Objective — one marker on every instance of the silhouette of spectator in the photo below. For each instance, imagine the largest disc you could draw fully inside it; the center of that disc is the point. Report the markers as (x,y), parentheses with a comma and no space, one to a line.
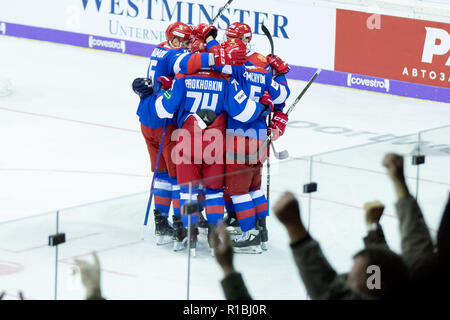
(322,281)
(90,276)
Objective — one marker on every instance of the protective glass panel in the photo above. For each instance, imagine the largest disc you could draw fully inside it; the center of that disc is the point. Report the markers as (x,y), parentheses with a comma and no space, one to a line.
(27,262)
(254,263)
(347,179)
(132,265)
(434,175)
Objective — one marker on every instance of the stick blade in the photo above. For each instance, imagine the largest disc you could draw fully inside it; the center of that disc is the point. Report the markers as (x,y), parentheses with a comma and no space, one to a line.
(283,155)
(280,155)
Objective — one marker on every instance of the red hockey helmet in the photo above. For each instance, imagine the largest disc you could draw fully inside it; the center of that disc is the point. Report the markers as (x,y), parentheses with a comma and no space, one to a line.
(178,29)
(239,30)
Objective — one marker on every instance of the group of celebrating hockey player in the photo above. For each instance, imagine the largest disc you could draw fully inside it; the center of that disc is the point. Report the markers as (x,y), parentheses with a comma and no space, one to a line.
(204,110)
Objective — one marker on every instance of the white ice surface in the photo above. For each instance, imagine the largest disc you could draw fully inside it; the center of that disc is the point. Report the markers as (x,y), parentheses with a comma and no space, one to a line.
(69,136)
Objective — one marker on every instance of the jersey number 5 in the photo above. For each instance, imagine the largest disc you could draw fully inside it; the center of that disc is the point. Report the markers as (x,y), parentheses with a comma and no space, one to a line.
(151,70)
(255,91)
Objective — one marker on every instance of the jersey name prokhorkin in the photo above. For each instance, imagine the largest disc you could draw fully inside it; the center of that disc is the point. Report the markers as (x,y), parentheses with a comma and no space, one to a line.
(200,84)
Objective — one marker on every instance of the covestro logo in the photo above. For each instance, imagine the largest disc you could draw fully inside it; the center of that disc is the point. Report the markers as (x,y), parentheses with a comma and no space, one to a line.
(353,80)
(107,44)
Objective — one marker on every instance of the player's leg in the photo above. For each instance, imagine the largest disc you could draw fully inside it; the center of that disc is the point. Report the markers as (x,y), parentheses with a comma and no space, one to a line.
(238,185)
(179,231)
(163,198)
(201,221)
(250,239)
(213,169)
(168,146)
(260,202)
(162,188)
(213,180)
(261,206)
(181,223)
(188,172)
(175,197)
(162,193)
(230,218)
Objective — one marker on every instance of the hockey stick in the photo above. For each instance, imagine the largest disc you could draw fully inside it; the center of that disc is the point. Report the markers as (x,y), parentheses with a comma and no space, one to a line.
(269,118)
(253,158)
(303,91)
(283,154)
(153,180)
(220,12)
(269,37)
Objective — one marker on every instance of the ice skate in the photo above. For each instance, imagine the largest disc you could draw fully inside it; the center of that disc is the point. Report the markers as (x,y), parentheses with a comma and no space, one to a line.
(261,226)
(202,224)
(163,229)
(179,234)
(232,224)
(248,242)
(193,242)
(211,231)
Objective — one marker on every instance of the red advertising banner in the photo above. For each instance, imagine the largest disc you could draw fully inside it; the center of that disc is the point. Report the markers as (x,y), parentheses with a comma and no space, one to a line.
(392,47)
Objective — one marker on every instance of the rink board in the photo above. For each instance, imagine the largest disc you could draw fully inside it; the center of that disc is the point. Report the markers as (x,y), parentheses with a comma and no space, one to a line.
(336,78)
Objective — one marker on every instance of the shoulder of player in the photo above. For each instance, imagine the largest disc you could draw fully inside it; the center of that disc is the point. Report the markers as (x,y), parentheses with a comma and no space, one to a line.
(257,57)
(208,74)
(160,51)
(169,51)
(254,68)
(164,45)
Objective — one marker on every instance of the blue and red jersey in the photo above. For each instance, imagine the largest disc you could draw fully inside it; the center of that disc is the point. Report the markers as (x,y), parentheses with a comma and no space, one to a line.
(254,81)
(254,78)
(258,60)
(166,61)
(207,90)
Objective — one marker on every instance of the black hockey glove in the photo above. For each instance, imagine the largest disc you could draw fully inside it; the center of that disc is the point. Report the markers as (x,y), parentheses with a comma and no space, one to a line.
(143,87)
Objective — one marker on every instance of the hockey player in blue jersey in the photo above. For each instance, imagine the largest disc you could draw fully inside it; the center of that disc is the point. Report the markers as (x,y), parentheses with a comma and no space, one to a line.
(249,201)
(243,32)
(201,103)
(166,60)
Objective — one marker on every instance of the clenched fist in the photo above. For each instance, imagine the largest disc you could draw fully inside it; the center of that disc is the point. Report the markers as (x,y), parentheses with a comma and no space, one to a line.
(374,211)
(394,164)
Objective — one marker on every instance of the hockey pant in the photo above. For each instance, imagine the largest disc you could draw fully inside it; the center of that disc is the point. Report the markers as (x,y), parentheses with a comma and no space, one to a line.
(165,189)
(243,183)
(200,161)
